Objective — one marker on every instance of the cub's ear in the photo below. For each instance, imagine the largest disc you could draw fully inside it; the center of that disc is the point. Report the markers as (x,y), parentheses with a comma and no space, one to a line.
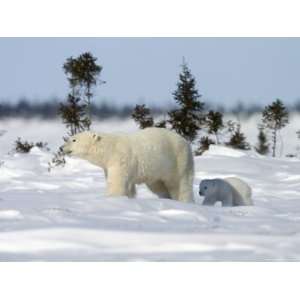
(96,137)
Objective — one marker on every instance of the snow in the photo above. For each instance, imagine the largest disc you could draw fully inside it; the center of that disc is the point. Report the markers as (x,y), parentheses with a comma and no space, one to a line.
(64,215)
(222,150)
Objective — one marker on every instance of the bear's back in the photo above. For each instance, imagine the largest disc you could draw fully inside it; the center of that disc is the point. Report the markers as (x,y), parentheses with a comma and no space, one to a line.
(159,139)
(161,151)
(158,134)
(241,189)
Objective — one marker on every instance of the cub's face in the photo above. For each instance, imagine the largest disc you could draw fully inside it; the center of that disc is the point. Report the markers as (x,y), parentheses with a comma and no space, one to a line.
(207,187)
(80,144)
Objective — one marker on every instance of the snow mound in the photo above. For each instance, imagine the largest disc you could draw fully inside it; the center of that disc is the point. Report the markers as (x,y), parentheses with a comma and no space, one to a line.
(224,151)
(65,214)
(10,214)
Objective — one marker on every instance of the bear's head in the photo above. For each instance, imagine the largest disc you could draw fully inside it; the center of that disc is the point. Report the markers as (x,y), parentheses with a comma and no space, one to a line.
(80,145)
(207,187)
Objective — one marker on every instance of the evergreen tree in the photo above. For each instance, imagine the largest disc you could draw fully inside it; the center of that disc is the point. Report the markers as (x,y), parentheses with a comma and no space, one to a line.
(23,146)
(188,118)
(142,116)
(58,160)
(161,124)
(203,145)
(237,139)
(275,117)
(214,122)
(73,115)
(262,145)
(83,73)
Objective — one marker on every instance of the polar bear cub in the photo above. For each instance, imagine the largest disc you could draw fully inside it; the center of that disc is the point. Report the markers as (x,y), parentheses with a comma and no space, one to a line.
(161,159)
(230,191)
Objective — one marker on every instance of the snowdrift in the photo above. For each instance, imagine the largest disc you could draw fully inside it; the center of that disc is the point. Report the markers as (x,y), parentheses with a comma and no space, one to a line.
(64,215)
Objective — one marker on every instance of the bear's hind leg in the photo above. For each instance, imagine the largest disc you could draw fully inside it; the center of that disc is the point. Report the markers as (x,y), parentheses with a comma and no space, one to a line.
(132,191)
(159,189)
(228,201)
(173,190)
(185,189)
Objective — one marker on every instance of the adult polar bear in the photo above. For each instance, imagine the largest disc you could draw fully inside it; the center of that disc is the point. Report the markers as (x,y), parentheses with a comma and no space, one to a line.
(159,158)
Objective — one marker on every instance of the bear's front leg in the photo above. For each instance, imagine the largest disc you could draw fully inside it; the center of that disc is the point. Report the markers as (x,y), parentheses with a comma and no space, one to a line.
(209,201)
(117,182)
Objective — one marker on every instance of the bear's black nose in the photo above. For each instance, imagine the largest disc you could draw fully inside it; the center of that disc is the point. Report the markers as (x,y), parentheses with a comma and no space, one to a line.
(200,193)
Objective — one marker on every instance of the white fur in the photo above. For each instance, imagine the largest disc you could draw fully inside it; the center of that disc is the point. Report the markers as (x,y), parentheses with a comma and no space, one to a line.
(230,191)
(159,158)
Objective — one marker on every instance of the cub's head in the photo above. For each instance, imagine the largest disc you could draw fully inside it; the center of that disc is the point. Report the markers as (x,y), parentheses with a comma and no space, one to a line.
(207,187)
(80,144)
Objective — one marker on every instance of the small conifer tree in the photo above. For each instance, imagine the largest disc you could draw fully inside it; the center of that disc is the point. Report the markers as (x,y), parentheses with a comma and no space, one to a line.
(275,117)
(142,116)
(262,144)
(73,115)
(188,118)
(23,146)
(203,145)
(237,138)
(161,124)
(214,123)
(58,160)
(83,73)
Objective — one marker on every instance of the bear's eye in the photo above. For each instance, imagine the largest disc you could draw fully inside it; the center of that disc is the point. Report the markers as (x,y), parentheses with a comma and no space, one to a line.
(74,140)
(205,187)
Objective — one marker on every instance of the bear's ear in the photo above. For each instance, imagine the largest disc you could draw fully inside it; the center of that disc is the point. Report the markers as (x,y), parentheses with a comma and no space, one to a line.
(96,137)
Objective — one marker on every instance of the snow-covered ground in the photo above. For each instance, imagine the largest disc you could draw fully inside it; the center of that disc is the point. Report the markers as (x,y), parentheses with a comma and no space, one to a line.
(63,215)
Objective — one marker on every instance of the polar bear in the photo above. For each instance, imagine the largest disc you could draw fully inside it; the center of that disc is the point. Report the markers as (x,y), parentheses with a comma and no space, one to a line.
(230,191)
(159,158)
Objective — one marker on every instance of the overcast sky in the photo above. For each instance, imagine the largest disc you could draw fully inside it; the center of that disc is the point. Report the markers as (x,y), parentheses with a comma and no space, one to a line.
(146,69)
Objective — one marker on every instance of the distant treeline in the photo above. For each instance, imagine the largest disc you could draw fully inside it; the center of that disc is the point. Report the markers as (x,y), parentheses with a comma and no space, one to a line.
(48,109)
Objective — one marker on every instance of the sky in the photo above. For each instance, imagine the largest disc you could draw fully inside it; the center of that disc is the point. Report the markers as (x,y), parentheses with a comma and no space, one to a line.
(145,70)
